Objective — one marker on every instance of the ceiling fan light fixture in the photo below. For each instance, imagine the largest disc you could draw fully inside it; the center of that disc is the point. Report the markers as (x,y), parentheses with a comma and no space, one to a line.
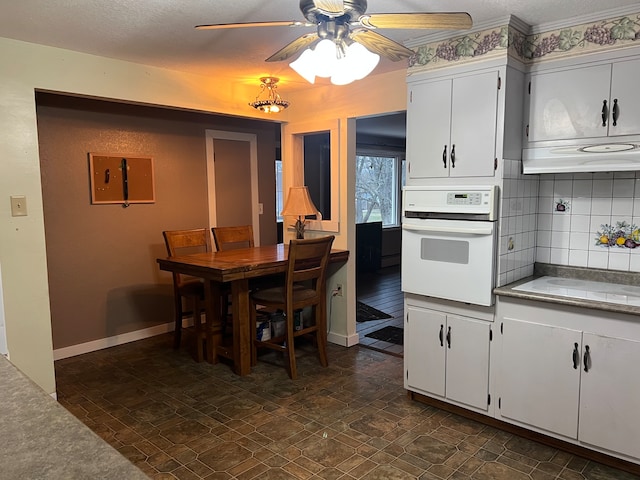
(357,64)
(269,100)
(305,65)
(344,65)
(326,58)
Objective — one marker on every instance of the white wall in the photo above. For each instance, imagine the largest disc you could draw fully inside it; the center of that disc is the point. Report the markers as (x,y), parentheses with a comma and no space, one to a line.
(28,67)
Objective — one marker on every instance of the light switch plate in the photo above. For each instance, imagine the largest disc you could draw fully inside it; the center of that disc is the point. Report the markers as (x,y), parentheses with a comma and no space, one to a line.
(18,206)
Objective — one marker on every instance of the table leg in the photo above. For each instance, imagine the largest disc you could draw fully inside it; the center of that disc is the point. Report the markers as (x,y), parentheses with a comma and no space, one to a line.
(241,330)
(213,326)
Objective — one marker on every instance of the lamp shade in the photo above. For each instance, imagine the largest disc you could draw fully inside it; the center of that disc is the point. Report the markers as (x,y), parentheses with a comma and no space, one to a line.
(299,203)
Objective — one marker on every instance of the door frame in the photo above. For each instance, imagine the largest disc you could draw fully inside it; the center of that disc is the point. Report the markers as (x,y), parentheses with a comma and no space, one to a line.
(251,138)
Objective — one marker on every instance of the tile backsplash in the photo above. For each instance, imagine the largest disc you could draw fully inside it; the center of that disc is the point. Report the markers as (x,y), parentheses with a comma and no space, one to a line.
(518,208)
(589,220)
(581,219)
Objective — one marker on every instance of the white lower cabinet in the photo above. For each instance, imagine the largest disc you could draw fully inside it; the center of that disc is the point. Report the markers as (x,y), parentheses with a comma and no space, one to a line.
(571,373)
(610,395)
(447,356)
(538,382)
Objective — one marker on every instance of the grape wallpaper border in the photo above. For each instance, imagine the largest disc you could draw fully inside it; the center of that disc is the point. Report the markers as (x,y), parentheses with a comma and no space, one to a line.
(589,37)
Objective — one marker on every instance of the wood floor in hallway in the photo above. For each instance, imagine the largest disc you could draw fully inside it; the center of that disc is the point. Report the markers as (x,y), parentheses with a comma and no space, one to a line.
(381,290)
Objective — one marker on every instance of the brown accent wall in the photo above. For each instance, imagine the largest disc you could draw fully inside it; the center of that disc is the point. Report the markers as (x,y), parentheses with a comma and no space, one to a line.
(103,275)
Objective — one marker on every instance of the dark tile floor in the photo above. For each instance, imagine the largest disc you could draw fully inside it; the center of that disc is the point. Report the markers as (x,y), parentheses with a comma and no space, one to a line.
(176,418)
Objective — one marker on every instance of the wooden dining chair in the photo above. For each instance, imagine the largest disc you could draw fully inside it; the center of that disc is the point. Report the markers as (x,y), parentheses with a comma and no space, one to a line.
(304,286)
(188,289)
(228,238)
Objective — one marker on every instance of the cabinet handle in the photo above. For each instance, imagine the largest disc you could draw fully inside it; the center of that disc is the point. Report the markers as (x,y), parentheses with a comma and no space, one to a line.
(449,337)
(453,156)
(576,356)
(444,156)
(616,111)
(587,358)
(605,113)
(441,335)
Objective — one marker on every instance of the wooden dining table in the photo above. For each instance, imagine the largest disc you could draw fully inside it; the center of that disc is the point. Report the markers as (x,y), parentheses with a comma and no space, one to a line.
(236,267)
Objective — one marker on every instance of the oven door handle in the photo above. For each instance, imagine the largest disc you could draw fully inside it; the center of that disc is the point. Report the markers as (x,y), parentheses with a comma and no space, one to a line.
(468,230)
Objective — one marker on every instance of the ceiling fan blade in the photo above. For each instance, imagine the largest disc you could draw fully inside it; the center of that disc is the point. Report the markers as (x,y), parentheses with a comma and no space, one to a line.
(330,7)
(381,45)
(450,21)
(294,47)
(221,26)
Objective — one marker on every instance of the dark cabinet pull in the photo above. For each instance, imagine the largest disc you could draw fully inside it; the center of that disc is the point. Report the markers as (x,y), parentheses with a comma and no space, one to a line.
(453,156)
(605,113)
(441,335)
(576,356)
(616,111)
(587,358)
(444,156)
(449,337)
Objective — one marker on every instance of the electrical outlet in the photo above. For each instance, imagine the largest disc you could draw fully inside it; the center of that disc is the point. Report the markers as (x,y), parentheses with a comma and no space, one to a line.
(339,289)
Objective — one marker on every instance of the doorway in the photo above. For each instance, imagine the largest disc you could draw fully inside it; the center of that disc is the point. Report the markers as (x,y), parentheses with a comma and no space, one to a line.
(380,153)
(232,179)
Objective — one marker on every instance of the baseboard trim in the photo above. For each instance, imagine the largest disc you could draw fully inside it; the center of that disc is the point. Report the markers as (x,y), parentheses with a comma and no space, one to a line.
(531,435)
(121,339)
(343,340)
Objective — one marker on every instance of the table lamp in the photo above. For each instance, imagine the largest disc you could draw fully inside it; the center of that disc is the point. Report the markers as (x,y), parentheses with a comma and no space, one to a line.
(299,204)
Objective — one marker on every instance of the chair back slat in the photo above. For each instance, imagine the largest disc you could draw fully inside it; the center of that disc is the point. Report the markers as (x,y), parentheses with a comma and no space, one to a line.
(230,238)
(308,259)
(184,242)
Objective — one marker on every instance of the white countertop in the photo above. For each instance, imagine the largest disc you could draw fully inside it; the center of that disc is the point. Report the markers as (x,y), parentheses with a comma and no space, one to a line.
(583,290)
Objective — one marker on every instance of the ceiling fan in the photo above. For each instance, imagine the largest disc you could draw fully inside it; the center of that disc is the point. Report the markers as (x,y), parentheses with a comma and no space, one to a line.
(345,22)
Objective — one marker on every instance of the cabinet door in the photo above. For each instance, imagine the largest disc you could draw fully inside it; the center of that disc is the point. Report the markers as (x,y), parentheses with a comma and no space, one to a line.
(568,104)
(467,379)
(624,89)
(428,128)
(610,395)
(539,385)
(474,107)
(424,354)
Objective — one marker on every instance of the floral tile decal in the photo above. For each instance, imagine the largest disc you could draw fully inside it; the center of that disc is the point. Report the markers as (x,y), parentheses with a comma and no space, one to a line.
(622,235)
(586,38)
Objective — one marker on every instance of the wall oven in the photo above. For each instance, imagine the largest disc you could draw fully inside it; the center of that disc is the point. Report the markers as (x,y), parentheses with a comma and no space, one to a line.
(449,242)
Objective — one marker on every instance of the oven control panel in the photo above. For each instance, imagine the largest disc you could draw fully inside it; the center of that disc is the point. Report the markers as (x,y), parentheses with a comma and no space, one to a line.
(433,201)
(465,198)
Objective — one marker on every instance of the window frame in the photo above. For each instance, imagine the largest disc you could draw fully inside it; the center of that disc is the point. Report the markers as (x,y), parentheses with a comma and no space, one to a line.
(399,156)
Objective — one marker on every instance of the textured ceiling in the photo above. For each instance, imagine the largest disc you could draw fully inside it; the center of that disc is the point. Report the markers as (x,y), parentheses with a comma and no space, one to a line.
(161,33)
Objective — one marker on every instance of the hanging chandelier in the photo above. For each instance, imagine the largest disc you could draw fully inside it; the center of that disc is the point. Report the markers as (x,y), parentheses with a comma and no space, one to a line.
(268,100)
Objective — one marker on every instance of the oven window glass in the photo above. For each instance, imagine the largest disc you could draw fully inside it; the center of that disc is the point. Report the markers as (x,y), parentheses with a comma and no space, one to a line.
(444,250)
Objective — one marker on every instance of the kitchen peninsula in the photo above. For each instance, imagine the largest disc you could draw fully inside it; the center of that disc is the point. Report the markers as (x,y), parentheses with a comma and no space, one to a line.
(40,439)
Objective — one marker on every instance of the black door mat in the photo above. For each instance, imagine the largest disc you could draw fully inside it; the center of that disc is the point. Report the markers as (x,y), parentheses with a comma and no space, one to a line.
(365,313)
(389,334)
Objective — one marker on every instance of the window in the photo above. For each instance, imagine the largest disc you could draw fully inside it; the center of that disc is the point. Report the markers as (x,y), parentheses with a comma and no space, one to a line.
(380,177)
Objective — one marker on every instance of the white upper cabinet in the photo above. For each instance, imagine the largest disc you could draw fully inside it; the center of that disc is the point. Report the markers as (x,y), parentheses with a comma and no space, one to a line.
(591,101)
(626,98)
(451,126)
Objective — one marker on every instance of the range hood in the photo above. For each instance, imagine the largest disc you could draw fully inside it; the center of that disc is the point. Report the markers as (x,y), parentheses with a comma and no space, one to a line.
(601,157)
